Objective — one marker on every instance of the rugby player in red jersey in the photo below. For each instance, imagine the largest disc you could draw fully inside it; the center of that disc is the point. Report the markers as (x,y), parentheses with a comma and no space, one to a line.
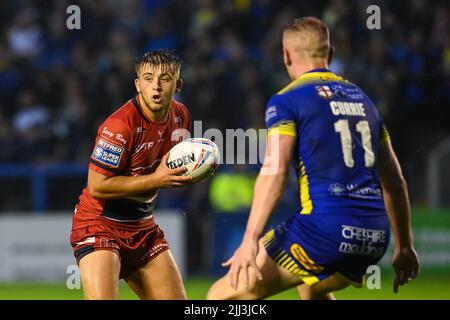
(114,234)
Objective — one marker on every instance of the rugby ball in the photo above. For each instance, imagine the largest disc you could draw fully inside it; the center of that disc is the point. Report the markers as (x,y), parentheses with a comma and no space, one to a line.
(200,156)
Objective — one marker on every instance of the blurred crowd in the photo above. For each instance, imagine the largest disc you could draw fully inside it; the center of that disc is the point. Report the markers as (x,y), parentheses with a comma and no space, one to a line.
(57,85)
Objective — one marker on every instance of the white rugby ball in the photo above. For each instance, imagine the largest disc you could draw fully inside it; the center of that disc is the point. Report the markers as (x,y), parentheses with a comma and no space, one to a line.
(200,156)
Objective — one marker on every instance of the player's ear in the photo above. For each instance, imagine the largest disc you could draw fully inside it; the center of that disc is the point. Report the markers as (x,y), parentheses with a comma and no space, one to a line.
(330,54)
(286,57)
(179,85)
(137,85)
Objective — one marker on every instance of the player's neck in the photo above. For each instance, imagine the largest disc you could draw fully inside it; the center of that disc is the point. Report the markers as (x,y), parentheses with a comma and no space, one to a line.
(159,116)
(299,69)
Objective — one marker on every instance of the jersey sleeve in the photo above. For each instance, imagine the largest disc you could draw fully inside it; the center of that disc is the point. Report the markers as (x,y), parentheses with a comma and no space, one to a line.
(187,123)
(110,154)
(183,120)
(279,118)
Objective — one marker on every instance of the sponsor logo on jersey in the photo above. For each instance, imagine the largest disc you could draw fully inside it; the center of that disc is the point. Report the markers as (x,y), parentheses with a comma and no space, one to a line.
(106,132)
(121,138)
(300,254)
(363,234)
(367,239)
(355,191)
(86,241)
(324,92)
(161,139)
(107,153)
(154,250)
(340,93)
(353,93)
(144,146)
(336,189)
(364,249)
(271,112)
(355,96)
(338,90)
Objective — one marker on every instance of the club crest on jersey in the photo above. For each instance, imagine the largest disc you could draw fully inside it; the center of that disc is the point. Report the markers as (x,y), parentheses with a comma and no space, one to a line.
(107,153)
(324,92)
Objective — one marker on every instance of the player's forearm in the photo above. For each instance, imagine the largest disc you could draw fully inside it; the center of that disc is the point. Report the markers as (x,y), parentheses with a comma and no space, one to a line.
(123,186)
(267,192)
(399,212)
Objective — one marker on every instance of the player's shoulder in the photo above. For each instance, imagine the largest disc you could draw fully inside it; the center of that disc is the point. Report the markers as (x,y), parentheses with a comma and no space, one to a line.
(179,107)
(309,80)
(124,118)
(180,112)
(129,110)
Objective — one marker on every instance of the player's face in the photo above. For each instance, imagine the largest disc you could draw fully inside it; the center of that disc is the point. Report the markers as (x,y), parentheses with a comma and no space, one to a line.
(157,87)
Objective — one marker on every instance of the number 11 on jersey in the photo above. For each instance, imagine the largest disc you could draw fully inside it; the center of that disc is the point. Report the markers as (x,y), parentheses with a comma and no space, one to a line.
(342,127)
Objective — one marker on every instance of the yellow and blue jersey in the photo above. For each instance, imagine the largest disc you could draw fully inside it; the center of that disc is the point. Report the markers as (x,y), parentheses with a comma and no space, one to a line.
(338,130)
(342,226)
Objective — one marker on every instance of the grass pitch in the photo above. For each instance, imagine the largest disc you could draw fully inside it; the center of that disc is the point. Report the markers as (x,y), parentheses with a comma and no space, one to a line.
(427,286)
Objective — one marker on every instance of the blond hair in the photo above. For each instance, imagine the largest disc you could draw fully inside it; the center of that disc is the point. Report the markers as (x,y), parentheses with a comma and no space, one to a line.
(309,37)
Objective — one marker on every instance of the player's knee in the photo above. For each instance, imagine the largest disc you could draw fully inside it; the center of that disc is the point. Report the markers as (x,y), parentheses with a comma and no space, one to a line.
(230,294)
(101,295)
(317,295)
(219,291)
(214,293)
(324,289)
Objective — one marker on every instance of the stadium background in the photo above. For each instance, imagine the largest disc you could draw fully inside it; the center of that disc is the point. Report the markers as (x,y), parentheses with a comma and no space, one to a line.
(57,85)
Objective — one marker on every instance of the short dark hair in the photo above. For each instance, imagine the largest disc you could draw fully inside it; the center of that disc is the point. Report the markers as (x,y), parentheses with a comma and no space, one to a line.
(166,59)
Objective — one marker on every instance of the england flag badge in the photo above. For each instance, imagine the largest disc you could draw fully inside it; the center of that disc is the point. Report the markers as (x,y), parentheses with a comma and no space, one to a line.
(324,92)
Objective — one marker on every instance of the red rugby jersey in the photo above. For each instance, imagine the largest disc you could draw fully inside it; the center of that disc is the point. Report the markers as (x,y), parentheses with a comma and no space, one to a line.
(129,143)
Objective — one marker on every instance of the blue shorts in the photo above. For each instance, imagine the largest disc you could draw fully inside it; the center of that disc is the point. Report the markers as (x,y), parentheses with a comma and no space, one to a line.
(316,246)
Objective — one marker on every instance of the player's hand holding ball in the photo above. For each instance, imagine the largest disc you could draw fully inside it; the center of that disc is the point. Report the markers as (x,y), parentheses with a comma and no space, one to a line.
(199,156)
(170,178)
(189,161)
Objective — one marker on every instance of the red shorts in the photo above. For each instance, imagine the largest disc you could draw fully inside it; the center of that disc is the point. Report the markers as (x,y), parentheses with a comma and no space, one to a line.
(134,248)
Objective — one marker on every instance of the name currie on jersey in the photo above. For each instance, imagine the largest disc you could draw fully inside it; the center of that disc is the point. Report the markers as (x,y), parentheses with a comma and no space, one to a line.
(347,108)
(184,160)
